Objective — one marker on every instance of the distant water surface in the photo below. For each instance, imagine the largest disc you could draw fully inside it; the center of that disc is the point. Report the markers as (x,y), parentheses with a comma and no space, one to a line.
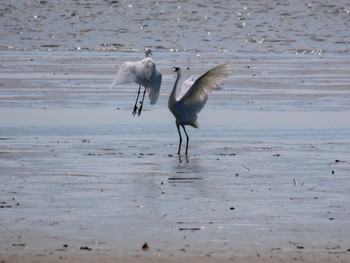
(315,26)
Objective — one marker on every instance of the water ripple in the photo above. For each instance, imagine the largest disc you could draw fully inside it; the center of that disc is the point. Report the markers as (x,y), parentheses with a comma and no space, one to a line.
(235,26)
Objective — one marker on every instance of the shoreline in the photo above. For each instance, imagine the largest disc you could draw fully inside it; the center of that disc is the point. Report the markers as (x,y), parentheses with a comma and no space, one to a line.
(266,179)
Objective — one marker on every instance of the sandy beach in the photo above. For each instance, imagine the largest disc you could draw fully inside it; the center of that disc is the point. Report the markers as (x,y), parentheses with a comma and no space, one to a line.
(266,178)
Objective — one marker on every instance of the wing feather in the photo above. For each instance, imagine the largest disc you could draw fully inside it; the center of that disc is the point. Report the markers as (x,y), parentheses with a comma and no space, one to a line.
(186,85)
(126,74)
(154,86)
(144,73)
(198,94)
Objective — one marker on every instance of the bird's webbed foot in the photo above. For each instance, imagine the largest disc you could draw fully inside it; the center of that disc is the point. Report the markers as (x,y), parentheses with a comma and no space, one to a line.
(140,109)
(135,110)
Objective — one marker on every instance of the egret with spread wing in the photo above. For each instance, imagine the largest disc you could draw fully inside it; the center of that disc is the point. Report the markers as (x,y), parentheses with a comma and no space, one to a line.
(144,73)
(186,106)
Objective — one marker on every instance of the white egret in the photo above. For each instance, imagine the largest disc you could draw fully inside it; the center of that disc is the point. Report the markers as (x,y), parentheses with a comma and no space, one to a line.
(193,96)
(143,72)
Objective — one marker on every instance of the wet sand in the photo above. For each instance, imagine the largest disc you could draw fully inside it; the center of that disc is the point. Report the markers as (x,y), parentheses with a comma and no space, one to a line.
(266,179)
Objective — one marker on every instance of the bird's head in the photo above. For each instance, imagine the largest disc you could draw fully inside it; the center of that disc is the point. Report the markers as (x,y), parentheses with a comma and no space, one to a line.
(176,69)
(148,52)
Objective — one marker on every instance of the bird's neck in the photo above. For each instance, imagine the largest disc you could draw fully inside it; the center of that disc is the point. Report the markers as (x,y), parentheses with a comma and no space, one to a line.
(172,97)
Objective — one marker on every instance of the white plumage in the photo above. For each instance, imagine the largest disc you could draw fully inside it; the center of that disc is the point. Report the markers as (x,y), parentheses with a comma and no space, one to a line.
(143,72)
(193,96)
(186,85)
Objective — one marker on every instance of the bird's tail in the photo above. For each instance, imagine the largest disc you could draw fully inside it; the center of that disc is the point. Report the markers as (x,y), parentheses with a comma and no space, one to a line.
(194,124)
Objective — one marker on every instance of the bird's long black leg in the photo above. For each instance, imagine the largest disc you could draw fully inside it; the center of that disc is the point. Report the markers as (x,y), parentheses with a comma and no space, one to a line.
(137,98)
(141,102)
(178,130)
(188,138)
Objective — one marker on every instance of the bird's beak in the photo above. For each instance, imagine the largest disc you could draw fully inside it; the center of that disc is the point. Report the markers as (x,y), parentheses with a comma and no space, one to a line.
(175,69)
(151,53)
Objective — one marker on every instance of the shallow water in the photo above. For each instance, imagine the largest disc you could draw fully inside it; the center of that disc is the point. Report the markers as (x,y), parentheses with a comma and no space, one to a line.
(315,26)
(267,171)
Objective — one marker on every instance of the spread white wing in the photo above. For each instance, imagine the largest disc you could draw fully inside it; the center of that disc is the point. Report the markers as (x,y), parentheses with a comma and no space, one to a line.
(126,74)
(198,93)
(186,85)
